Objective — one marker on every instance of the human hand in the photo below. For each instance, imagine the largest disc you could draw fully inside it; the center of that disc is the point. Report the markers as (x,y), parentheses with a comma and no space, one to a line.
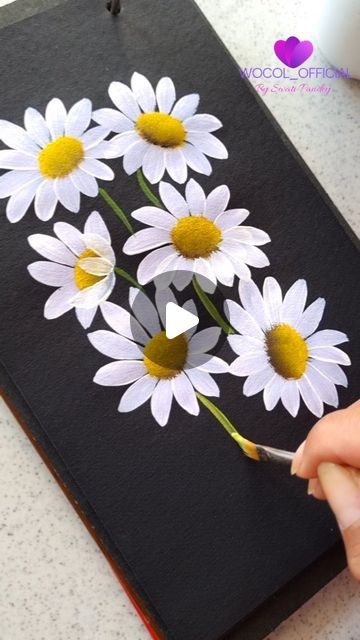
(330,459)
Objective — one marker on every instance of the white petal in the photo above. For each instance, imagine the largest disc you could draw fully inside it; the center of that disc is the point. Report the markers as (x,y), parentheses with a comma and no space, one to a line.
(253,303)
(205,275)
(311,318)
(134,156)
(162,298)
(203,382)
(195,197)
(95,266)
(190,306)
(59,302)
(205,362)
(124,99)
(257,381)
(196,159)
(45,200)
(324,388)
(202,122)
(95,224)
(186,106)
(96,294)
(13,181)
(93,137)
(116,374)
(101,246)
(161,401)
(55,116)
(85,316)
(294,303)
(332,371)
(255,257)
(176,165)
(242,321)
(113,120)
(173,200)
(165,94)
(155,217)
(51,273)
(230,219)
(242,271)
(310,397)
(183,273)
(16,138)
(290,397)
(10,159)
(248,364)
(152,264)
(242,345)
(67,194)
(143,91)
(123,323)
(115,346)
(97,169)
(207,143)
(273,300)
(71,236)
(145,311)
(20,201)
(235,250)
(78,118)
(184,394)
(154,164)
(249,235)
(272,392)
(84,183)
(222,267)
(217,201)
(36,127)
(139,392)
(204,340)
(121,143)
(146,239)
(329,354)
(327,337)
(52,249)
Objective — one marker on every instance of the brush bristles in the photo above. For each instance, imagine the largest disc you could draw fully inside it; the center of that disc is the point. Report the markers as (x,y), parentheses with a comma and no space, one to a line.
(248,448)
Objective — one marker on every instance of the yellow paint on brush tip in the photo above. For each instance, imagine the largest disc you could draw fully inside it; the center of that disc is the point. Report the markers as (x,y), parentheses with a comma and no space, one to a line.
(248,447)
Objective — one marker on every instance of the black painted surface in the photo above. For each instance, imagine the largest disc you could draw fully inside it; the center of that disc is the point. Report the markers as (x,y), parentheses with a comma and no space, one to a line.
(205,535)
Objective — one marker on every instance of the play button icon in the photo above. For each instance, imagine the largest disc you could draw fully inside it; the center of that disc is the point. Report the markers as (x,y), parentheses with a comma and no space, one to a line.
(178,320)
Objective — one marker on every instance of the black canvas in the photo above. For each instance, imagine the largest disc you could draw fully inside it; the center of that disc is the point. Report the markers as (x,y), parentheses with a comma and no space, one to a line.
(210,541)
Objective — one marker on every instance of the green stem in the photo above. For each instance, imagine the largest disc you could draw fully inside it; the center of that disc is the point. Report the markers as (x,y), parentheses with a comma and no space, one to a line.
(246,446)
(116,209)
(146,189)
(211,309)
(124,274)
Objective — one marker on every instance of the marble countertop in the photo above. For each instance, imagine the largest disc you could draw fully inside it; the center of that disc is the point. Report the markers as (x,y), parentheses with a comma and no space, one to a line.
(54,581)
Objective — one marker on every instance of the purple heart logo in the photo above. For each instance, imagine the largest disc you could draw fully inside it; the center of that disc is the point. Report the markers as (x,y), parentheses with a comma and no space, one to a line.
(292,52)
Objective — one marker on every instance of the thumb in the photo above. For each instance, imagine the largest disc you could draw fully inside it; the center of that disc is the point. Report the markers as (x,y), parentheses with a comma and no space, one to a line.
(341,486)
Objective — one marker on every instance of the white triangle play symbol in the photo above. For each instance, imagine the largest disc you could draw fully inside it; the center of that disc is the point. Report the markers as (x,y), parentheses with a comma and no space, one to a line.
(178,320)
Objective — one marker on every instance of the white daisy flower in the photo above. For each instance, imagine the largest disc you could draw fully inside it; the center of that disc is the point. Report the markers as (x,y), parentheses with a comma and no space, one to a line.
(158,133)
(280,350)
(53,159)
(79,265)
(154,366)
(196,235)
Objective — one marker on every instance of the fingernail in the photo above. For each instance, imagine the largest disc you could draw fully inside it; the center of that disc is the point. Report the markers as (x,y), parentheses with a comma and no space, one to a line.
(297,459)
(311,487)
(342,492)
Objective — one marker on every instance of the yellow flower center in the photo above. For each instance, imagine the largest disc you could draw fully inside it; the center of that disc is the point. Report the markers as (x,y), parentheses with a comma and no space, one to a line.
(287,351)
(161,129)
(83,279)
(60,157)
(165,358)
(195,237)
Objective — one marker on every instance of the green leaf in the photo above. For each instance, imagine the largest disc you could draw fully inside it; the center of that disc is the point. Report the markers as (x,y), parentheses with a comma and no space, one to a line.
(116,209)
(124,274)
(211,309)
(146,190)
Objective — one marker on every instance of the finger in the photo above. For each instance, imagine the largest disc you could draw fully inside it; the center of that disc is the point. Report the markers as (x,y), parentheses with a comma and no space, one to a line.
(341,486)
(335,438)
(315,489)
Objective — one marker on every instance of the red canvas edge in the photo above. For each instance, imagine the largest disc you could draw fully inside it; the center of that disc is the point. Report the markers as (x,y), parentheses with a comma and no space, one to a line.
(155,632)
